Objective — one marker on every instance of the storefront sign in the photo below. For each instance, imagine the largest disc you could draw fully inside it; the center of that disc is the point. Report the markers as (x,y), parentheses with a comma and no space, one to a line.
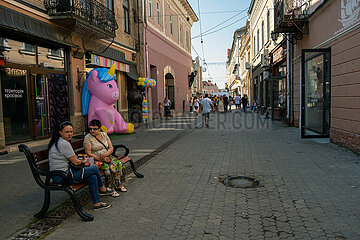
(13,93)
(106,62)
(13,72)
(278,55)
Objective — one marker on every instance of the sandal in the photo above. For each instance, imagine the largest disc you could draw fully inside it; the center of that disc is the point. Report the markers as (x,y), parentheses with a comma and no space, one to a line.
(115,194)
(121,189)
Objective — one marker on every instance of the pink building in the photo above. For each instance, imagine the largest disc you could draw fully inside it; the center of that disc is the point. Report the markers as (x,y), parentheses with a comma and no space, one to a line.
(209,87)
(168,52)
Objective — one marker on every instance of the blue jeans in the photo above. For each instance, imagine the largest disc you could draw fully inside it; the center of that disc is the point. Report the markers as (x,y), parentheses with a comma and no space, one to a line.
(91,176)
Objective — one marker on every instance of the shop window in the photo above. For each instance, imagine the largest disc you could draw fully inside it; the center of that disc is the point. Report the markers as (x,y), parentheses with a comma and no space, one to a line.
(14,91)
(126,16)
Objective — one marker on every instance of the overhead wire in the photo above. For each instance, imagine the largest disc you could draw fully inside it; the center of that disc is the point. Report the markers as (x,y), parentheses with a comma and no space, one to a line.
(221,23)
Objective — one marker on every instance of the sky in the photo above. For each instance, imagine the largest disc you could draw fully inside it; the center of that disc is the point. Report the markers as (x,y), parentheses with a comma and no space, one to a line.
(217,22)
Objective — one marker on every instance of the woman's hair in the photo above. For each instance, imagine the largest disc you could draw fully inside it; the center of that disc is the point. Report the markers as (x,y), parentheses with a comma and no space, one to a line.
(95,122)
(56,135)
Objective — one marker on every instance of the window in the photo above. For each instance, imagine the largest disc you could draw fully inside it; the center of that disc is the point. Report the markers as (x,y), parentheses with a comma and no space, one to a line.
(126,16)
(254,46)
(150,8)
(109,4)
(187,40)
(181,35)
(262,34)
(268,26)
(55,53)
(158,13)
(28,47)
(171,24)
(258,41)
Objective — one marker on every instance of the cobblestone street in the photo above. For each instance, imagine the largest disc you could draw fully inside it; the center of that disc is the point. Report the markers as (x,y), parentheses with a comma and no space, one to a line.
(309,189)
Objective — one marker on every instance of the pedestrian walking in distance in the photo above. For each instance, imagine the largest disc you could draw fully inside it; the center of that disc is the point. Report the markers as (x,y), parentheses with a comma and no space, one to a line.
(206,106)
(167,104)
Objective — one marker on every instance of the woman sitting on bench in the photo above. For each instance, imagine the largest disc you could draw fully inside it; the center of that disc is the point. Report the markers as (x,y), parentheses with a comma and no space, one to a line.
(61,152)
(98,145)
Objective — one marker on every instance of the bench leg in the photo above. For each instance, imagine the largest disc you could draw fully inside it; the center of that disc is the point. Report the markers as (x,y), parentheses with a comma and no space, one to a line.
(85,216)
(139,175)
(45,206)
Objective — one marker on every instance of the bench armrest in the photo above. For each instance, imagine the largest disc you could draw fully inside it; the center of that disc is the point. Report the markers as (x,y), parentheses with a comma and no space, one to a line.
(63,175)
(120,146)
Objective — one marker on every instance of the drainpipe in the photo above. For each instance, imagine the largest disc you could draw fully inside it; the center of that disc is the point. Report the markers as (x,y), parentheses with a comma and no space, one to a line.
(288,86)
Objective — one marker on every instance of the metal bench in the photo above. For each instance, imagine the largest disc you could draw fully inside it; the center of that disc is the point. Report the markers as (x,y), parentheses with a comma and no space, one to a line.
(39,165)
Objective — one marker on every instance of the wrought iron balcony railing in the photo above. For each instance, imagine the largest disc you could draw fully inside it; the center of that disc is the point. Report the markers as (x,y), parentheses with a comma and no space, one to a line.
(291,15)
(89,11)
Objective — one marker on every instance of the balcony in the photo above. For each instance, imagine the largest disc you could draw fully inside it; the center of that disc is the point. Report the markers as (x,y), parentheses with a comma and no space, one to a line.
(291,16)
(86,17)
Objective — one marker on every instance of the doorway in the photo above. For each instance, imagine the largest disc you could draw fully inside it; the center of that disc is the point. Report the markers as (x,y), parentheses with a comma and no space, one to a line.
(170,89)
(315,97)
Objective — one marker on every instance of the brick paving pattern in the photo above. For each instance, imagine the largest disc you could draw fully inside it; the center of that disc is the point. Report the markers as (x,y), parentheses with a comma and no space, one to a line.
(308,189)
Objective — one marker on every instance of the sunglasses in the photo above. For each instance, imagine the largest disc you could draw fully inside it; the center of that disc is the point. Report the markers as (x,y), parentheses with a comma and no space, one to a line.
(93,129)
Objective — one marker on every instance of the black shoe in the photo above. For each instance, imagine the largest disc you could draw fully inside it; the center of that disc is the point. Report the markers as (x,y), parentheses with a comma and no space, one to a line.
(102,206)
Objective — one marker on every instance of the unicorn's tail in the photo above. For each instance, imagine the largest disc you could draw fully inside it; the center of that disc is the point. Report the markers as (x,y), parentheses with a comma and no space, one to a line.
(85,98)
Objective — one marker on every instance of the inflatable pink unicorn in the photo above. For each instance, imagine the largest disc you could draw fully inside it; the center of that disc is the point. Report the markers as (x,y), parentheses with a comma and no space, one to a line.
(98,95)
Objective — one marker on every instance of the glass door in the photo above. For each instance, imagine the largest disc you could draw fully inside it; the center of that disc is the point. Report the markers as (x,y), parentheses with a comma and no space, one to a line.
(40,105)
(14,92)
(315,109)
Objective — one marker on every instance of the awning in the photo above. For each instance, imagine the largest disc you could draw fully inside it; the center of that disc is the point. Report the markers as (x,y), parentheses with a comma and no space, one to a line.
(109,57)
(133,74)
(111,54)
(17,26)
(107,62)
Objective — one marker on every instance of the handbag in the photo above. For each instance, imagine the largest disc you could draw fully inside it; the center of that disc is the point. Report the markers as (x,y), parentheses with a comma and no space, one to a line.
(72,167)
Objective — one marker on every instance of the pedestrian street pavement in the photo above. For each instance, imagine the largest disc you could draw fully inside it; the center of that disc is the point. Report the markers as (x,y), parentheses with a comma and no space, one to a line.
(307,189)
(21,197)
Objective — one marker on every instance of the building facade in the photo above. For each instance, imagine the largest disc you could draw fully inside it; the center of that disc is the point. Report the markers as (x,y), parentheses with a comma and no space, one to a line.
(326,75)
(210,88)
(46,50)
(260,17)
(168,52)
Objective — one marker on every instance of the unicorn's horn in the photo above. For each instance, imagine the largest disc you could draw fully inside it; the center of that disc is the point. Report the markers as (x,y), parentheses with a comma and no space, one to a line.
(111,71)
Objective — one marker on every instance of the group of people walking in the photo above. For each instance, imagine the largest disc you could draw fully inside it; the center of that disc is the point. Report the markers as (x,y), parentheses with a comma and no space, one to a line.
(221,103)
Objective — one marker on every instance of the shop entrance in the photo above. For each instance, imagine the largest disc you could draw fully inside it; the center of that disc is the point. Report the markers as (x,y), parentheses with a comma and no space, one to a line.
(170,89)
(29,98)
(14,91)
(39,102)
(315,99)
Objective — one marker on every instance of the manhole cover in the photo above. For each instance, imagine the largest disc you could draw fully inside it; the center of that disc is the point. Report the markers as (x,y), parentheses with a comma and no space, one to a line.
(241,182)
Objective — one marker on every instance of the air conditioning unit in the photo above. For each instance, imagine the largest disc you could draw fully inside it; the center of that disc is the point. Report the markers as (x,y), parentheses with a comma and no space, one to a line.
(247,65)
